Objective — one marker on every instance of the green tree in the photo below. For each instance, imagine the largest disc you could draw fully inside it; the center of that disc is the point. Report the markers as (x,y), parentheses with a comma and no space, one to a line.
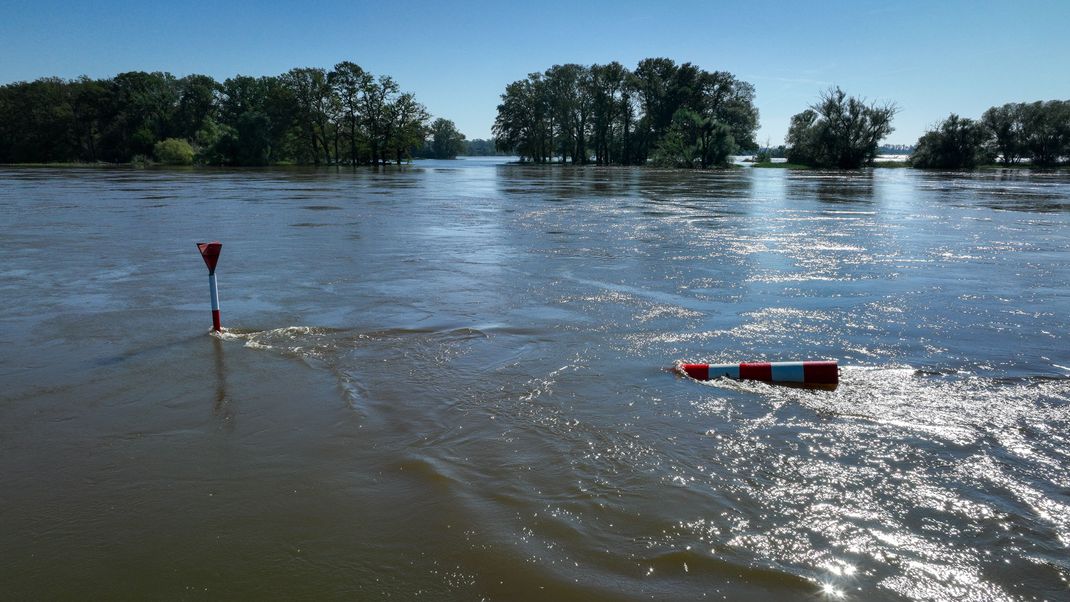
(407,127)
(694,141)
(377,95)
(349,81)
(570,111)
(89,105)
(215,144)
(479,147)
(727,100)
(254,139)
(1046,131)
(956,143)
(802,138)
(258,124)
(678,147)
(173,151)
(312,97)
(652,85)
(608,93)
(37,122)
(570,102)
(525,124)
(839,131)
(1005,129)
(140,113)
(446,141)
(197,102)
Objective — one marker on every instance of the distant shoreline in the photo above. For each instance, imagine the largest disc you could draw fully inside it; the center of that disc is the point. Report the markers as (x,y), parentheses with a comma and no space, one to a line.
(286,166)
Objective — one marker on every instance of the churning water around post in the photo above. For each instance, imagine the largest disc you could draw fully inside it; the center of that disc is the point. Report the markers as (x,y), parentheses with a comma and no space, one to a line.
(449,381)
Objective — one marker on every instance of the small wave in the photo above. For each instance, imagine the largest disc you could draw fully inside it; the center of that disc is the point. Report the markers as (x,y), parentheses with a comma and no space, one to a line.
(424,470)
(344,352)
(693,562)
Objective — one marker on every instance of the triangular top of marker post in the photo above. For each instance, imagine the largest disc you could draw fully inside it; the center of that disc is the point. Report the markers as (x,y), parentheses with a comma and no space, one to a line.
(210,253)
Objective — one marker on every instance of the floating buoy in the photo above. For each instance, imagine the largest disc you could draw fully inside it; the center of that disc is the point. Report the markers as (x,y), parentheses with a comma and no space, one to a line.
(809,373)
(210,254)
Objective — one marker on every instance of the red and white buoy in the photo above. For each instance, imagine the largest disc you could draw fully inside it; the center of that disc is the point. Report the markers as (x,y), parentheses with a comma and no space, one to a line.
(809,373)
(210,254)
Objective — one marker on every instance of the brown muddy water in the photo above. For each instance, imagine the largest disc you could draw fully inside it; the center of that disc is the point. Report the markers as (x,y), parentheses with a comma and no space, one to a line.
(449,381)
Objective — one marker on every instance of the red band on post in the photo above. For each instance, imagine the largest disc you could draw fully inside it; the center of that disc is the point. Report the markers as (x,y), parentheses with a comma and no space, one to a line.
(697,371)
(822,373)
(756,371)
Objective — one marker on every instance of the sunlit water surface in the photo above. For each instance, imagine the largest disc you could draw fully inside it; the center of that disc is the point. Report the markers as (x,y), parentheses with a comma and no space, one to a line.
(450,381)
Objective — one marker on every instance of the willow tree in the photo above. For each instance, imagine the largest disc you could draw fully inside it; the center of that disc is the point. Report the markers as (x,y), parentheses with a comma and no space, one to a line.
(839,131)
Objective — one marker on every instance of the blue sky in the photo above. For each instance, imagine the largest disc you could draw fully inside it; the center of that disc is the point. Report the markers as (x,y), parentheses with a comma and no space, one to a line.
(930,58)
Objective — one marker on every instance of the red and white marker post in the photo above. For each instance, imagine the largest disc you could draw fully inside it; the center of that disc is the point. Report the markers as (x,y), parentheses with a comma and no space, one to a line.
(803,373)
(210,254)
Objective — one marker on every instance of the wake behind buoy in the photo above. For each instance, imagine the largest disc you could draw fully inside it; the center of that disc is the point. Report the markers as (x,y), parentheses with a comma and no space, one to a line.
(809,373)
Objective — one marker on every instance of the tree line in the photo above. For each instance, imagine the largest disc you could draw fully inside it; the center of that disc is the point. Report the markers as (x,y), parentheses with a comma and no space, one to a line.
(661,112)
(844,132)
(679,115)
(479,147)
(1036,131)
(342,116)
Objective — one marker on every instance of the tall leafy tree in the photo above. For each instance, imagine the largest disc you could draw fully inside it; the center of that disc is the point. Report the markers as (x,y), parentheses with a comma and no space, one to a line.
(446,141)
(89,107)
(349,81)
(198,100)
(723,98)
(1046,131)
(525,121)
(839,131)
(570,100)
(37,121)
(694,141)
(257,123)
(140,113)
(802,140)
(408,126)
(311,94)
(954,144)
(652,82)
(377,95)
(620,116)
(1005,126)
(607,91)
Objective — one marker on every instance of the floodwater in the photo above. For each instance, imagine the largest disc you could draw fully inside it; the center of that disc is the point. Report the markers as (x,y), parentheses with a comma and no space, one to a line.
(450,381)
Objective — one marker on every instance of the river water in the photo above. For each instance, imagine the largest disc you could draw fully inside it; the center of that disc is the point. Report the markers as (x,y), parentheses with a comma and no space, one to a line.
(451,381)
